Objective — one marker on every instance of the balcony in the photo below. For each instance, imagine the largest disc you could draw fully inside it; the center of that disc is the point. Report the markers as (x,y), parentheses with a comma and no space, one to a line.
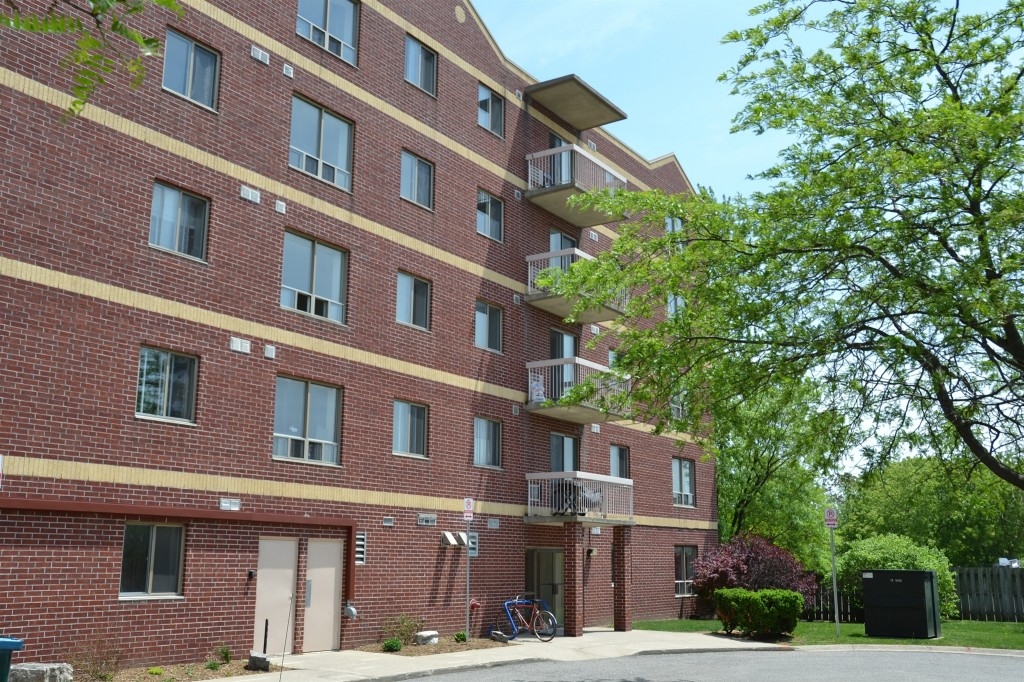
(562,172)
(562,306)
(575,102)
(578,496)
(550,380)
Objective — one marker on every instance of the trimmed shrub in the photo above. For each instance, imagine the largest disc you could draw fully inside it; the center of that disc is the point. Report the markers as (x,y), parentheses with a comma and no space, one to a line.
(766,613)
(896,552)
(750,562)
(391,645)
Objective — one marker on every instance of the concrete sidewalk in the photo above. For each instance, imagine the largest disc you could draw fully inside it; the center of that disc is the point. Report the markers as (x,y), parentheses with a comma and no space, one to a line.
(345,666)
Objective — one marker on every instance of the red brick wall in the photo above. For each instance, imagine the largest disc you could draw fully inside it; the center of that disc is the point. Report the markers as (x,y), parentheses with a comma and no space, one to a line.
(76,199)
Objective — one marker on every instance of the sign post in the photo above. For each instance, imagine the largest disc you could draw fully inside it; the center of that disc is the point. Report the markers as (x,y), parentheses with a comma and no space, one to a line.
(831,521)
(467,514)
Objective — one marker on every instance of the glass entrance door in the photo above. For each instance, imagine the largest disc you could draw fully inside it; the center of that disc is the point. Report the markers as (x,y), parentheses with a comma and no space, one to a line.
(545,578)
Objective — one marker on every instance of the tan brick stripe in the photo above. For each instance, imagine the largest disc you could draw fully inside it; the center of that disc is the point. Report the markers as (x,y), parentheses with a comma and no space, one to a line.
(63,470)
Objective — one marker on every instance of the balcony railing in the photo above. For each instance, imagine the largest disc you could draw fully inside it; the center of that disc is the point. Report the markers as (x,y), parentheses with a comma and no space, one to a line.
(560,172)
(579,494)
(562,306)
(550,380)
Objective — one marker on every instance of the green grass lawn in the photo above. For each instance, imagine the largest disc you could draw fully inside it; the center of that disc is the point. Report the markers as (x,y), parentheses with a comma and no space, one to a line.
(965,633)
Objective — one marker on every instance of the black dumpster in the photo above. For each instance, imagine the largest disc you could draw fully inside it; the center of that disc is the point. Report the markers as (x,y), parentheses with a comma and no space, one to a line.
(901,604)
(7,645)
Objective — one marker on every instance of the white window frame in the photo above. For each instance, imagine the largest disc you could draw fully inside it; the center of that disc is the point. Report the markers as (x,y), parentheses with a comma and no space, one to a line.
(420,66)
(487,442)
(405,311)
(413,167)
(484,326)
(312,162)
(684,486)
(402,436)
(324,30)
(490,216)
(619,460)
(309,298)
(170,225)
(177,380)
(298,444)
(490,111)
(193,51)
(153,554)
(684,578)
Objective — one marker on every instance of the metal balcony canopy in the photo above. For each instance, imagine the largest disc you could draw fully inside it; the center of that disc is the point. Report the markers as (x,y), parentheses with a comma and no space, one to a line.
(575,102)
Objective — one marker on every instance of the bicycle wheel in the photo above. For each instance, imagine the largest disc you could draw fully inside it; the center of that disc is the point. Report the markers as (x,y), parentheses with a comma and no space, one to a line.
(544,625)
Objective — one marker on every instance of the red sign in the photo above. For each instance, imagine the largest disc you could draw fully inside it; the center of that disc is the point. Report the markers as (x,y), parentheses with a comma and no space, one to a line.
(831,518)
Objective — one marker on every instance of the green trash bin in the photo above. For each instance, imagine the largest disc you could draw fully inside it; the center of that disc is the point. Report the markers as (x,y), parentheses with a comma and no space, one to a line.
(7,645)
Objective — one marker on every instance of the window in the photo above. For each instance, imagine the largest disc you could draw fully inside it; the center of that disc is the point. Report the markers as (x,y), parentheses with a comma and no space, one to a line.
(620,461)
(686,556)
(306,421)
(190,70)
(682,482)
(413,301)
(321,144)
(676,406)
(491,110)
(313,278)
(409,436)
(417,180)
(488,326)
(167,385)
(177,221)
(489,215)
(151,559)
(331,24)
(420,65)
(674,230)
(486,442)
(676,304)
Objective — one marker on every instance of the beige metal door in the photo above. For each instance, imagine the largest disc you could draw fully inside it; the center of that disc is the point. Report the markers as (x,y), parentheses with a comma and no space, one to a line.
(275,589)
(323,596)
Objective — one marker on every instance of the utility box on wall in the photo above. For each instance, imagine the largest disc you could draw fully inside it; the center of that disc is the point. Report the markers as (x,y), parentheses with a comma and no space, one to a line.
(901,604)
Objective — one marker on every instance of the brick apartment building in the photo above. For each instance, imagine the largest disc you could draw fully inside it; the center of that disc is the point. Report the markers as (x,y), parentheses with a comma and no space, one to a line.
(267,320)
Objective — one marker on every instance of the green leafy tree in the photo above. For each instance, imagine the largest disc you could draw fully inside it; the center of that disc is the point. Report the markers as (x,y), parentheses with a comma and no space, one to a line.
(963,510)
(106,37)
(885,262)
(771,452)
(895,552)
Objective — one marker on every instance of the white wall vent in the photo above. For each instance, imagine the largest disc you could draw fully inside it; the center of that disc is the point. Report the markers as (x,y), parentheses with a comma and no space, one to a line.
(426,520)
(269,352)
(594,236)
(517,299)
(518,194)
(493,524)
(592,145)
(288,71)
(280,207)
(515,410)
(250,194)
(361,548)
(230,504)
(595,428)
(241,345)
(595,330)
(387,521)
(260,55)
(519,94)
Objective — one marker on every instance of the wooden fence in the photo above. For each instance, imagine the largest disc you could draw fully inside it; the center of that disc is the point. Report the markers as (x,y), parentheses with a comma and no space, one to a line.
(995,593)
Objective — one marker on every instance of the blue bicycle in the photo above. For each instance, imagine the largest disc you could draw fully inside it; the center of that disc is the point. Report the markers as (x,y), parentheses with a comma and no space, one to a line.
(532,615)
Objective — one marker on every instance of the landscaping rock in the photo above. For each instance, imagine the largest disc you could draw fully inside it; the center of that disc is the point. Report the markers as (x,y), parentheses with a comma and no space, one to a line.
(426,637)
(41,672)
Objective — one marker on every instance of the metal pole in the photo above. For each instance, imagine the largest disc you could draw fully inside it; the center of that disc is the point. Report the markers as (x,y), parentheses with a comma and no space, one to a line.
(835,589)
(468,522)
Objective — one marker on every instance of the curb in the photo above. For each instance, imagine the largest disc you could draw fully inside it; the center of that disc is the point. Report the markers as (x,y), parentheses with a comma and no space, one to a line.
(456,669)
(910,648)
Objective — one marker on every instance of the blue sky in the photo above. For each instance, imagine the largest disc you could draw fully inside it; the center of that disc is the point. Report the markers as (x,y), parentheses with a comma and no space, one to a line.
(657,60)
